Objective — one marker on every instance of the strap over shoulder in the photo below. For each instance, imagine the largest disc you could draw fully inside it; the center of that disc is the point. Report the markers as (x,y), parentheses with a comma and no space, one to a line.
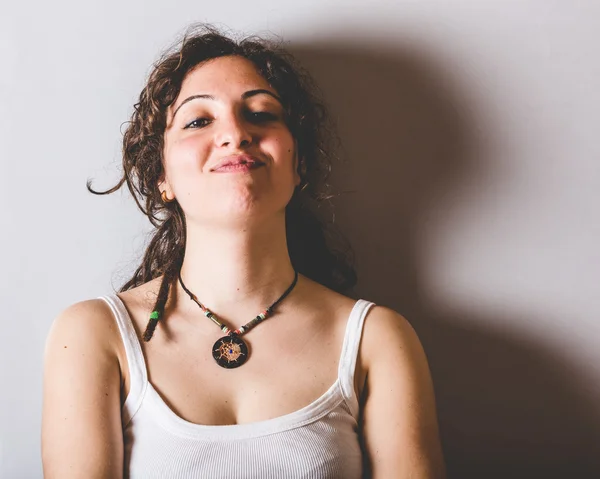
(138,375)
(349,356)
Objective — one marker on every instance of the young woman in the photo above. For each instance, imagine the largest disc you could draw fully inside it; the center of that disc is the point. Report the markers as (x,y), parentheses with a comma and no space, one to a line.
(232,352)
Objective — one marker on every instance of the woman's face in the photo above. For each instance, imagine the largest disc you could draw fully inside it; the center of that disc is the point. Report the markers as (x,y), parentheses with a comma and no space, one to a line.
(227,112)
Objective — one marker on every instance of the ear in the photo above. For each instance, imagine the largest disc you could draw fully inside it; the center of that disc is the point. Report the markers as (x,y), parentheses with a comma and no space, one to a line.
(163,185)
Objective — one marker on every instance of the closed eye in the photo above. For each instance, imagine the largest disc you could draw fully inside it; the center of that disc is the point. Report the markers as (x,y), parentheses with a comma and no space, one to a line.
(261,116)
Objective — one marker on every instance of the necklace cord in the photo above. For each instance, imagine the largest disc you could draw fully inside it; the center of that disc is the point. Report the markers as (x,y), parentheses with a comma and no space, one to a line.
(250,324)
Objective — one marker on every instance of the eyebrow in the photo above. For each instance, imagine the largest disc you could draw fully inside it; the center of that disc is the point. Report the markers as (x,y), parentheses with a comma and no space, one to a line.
(245,95)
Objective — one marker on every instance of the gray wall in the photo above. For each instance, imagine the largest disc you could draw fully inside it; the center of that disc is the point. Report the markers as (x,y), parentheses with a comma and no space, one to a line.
(472,196)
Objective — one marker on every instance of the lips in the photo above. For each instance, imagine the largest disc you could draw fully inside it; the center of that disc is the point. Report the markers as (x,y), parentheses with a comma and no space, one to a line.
(238,161)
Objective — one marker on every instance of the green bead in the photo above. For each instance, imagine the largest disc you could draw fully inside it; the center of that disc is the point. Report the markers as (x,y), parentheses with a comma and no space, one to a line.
(154,315)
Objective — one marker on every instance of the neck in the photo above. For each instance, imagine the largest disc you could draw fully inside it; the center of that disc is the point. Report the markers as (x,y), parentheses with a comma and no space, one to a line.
(236,272)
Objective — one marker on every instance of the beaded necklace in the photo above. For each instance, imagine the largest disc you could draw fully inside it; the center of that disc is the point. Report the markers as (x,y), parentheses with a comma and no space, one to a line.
(231,351)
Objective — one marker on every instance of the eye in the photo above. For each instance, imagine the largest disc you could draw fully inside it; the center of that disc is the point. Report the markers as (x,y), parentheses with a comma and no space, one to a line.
(262,116)
(197,123)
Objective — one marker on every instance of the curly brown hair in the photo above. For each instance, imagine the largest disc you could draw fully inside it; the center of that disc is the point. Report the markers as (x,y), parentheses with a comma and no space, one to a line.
(317,250)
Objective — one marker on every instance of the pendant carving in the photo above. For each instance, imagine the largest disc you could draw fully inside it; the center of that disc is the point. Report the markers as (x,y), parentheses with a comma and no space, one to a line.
(230,351)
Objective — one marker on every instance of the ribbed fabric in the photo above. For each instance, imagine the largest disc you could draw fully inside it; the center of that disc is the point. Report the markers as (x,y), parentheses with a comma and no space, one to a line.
(319,441)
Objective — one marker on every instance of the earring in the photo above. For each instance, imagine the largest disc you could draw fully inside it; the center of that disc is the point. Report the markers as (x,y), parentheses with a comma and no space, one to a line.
(164,198)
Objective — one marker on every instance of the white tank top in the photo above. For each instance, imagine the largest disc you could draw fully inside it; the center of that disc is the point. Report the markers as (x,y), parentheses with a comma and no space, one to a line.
(319,441)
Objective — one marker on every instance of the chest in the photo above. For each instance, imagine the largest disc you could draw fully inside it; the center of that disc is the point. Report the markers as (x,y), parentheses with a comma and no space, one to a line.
(289,367)
(325,448)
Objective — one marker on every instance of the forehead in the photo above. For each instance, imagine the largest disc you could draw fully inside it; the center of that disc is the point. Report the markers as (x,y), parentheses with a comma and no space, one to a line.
(224,76)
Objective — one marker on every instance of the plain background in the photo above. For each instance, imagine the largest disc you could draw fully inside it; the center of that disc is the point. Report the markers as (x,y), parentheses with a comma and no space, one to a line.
(470,196)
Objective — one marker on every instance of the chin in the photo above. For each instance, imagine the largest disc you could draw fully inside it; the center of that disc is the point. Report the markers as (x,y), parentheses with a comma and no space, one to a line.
(245,210)
(241,205)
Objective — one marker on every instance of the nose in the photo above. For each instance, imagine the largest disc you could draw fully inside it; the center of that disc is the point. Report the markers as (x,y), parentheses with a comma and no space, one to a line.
(234,131)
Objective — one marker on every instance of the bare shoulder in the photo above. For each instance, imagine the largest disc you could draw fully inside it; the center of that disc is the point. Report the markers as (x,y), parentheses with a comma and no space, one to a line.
(388,334)
(84,324)
(384,320)
(84,339)
(385,332)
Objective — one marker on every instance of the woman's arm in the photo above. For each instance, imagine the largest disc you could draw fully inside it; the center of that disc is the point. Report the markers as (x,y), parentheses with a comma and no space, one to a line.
(81,419)
(400,428)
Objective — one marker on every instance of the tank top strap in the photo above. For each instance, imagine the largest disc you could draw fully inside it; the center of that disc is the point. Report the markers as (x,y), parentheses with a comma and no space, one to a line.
(349,355)
(138,376)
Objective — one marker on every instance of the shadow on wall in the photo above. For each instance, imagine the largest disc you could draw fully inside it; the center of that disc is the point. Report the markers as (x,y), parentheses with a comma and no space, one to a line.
(508,406)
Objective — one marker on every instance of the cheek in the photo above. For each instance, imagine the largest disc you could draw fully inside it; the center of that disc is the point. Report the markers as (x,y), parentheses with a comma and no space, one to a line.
(184,159)
(193,147)
(282,147)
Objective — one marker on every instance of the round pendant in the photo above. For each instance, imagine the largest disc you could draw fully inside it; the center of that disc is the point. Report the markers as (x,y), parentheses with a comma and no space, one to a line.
(230,351)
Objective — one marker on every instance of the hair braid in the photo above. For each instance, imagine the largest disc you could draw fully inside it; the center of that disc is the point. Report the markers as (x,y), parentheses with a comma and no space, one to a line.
(167,281)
